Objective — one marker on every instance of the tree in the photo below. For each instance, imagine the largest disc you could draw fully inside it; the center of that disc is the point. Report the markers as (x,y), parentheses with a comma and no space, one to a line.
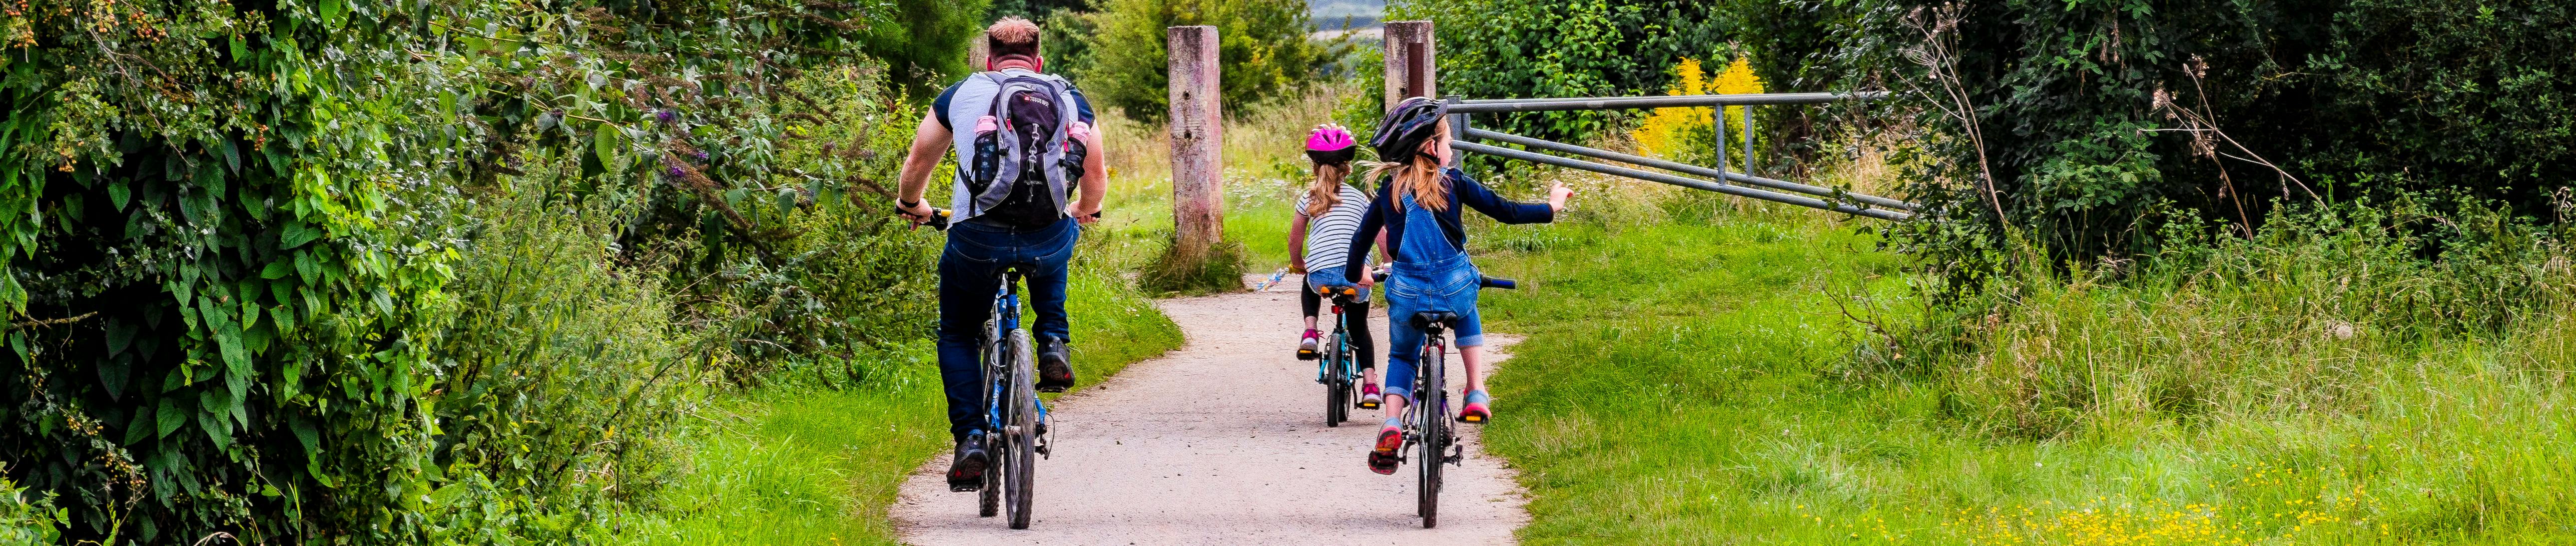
(1263,49)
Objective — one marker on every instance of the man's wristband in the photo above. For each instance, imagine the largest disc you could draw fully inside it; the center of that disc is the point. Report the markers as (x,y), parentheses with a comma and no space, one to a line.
(907,205)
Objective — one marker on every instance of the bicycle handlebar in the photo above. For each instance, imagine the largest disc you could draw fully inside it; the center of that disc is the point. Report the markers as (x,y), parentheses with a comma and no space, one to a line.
(939,218)
(1489,281)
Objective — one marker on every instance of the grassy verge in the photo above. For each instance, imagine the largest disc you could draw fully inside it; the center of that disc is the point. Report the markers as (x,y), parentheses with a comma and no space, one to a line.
(801,464)
(1699,383)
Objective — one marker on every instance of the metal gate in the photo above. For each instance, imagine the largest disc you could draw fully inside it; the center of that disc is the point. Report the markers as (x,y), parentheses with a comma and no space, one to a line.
(1718,179)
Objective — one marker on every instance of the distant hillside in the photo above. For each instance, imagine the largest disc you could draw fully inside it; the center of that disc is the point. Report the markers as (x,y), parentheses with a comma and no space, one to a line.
(1331,14)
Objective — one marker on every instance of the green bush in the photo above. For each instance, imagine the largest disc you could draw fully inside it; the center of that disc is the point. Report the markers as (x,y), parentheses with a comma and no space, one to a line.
(247,284)
(25,522)
(1262,46)
(2097,118)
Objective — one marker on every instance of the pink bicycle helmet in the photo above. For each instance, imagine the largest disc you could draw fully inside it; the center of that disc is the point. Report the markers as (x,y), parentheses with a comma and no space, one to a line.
(1330,144)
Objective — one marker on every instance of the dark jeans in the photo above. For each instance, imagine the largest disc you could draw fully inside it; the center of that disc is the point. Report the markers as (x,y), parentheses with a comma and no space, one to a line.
(969,275)
(1357,309)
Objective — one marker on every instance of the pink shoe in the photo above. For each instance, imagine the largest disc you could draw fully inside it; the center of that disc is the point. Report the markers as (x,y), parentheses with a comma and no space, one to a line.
(1369,398)
(1306,346)
(1475,411)
(1382,459)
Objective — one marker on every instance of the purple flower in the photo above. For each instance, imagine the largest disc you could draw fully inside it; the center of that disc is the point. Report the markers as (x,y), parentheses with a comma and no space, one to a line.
(666,115)
(702,155)
(675,171)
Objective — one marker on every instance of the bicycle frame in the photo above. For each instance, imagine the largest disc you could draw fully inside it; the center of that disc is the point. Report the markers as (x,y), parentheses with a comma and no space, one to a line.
(1004,319)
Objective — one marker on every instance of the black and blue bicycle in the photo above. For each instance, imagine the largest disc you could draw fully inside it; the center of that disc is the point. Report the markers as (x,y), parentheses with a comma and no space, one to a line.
(1336,366)
(1015,421)
(1427,433)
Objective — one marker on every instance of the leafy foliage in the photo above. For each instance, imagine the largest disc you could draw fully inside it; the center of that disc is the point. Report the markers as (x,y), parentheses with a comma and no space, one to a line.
(2098,121)
(1575,48)
(255,294)
(1262,46)
(24,521)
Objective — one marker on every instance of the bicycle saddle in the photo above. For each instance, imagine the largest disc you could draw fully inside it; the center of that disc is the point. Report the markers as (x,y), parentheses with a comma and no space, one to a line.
(1427,318)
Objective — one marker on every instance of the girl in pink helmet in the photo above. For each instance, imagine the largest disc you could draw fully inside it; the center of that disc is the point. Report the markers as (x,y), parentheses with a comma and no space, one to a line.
(1319,243)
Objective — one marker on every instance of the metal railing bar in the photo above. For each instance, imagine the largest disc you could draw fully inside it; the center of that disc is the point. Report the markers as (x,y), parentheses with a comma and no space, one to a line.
(1693,183)
(1613,103)
(1686,168)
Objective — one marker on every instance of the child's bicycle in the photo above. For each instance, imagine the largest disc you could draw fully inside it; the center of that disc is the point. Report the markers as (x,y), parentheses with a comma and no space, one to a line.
(1337,370)
(1427,433)
(1015,420)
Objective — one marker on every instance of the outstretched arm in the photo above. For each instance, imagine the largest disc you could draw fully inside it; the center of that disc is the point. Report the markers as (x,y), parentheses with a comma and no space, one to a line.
(1476,196)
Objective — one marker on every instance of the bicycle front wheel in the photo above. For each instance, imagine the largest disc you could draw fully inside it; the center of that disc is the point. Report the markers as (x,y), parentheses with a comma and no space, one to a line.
(1019,452)
(1432,404)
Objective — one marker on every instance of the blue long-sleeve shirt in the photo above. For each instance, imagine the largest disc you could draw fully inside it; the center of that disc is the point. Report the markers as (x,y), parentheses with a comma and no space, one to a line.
(1385,212)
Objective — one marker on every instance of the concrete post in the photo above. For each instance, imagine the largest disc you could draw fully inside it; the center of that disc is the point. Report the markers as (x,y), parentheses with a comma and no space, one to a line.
(1198,138)
(1410,67)
(978,49)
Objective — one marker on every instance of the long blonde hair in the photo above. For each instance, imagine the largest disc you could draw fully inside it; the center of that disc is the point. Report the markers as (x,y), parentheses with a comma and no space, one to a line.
(1421,175)
(1326,192)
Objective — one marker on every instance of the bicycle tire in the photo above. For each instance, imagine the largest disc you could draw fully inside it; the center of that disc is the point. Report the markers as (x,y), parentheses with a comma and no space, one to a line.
(1020,443)
(1336,396)
(1433,407)
(988,502)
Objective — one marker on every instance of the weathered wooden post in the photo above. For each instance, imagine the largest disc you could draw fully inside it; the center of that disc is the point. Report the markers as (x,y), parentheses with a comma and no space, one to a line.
(1198,138)
(1409,56)
(978,49)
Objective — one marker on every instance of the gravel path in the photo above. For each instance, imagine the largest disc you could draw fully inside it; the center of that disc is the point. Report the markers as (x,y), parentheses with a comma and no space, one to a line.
(1221,442)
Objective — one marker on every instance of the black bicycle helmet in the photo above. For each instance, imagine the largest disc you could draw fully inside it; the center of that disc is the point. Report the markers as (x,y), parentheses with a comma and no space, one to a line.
(1399,137)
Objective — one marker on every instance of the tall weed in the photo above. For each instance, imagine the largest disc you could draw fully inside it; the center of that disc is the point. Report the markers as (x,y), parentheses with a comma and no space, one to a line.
(2316,314)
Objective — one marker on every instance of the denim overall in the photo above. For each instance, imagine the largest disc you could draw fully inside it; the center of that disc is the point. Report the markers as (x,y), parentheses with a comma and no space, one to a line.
(1429,274)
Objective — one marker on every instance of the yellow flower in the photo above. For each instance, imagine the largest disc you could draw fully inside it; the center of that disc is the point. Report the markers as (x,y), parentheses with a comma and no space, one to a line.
(1661,134)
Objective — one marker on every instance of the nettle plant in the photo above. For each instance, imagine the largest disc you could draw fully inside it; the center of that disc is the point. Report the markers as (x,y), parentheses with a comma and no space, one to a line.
(223,291)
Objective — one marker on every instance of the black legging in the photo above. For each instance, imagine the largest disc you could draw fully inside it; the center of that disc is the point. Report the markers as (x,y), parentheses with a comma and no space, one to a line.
(1359,333)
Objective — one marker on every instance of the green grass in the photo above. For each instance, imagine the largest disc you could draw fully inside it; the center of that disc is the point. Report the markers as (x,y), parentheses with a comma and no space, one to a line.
(1699,383)
(800,464)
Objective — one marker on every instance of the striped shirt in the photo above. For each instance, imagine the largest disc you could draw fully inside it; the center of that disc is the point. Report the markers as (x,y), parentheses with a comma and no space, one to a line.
(1328,237)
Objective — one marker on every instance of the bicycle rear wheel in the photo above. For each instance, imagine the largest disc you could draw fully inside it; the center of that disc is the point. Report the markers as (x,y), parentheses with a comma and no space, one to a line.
(1432,404)
(988,502)
(1336,384)
(1019,452)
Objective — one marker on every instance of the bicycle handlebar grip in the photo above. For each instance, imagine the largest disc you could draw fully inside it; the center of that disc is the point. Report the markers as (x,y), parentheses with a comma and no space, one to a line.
(938,219)
(1499,282)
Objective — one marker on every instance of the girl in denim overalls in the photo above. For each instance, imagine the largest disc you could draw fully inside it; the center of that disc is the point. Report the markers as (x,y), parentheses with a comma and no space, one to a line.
(1418,207)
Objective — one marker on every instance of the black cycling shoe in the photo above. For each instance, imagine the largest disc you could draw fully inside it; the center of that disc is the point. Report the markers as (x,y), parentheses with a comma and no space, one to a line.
(967,472)
(1054,374)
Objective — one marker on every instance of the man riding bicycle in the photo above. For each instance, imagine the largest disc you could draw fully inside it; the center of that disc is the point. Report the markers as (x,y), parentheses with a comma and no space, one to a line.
(1026,145)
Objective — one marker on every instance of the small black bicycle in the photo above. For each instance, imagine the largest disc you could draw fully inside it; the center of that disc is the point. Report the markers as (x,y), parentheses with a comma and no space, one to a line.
(1336,367)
